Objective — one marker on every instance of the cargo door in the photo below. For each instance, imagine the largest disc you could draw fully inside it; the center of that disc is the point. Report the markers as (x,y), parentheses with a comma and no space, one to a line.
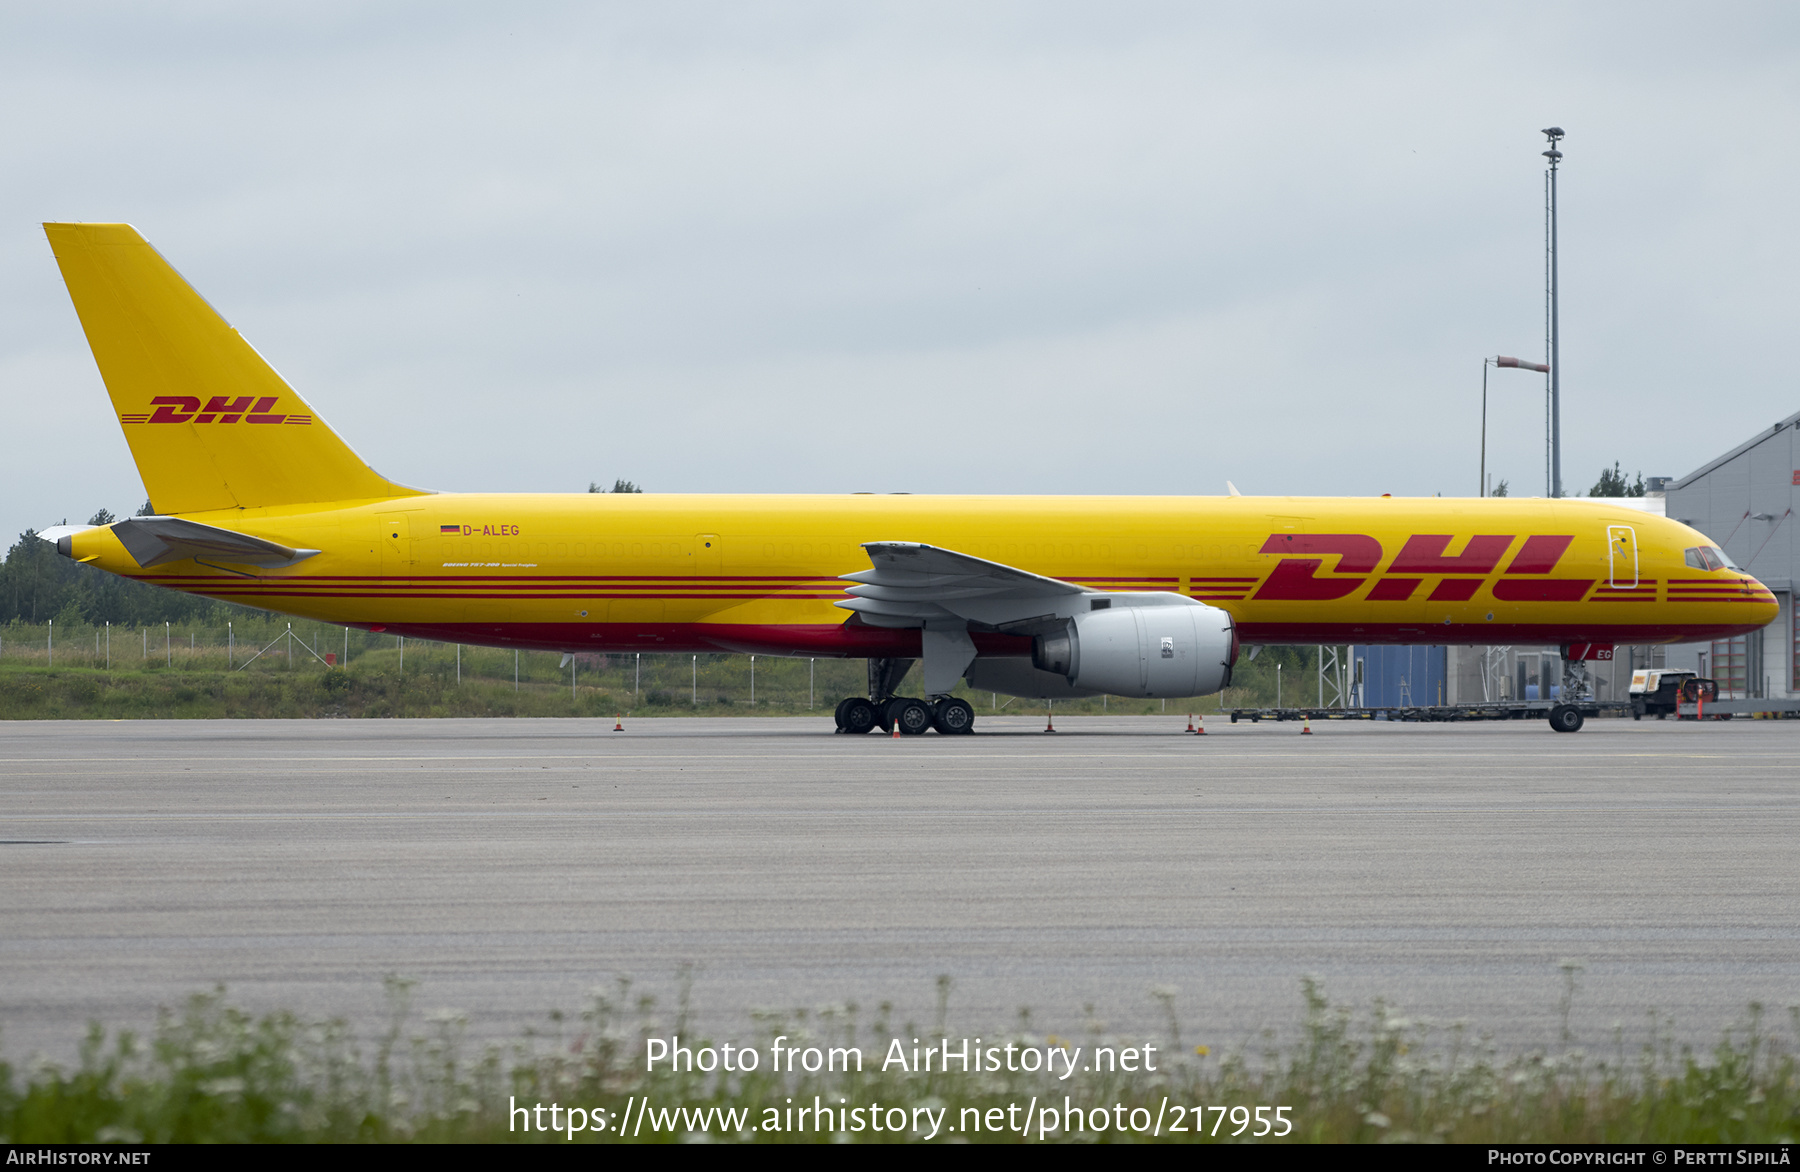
(1622,556)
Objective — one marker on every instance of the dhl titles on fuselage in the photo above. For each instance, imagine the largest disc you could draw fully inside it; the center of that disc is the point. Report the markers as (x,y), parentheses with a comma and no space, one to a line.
(706,573)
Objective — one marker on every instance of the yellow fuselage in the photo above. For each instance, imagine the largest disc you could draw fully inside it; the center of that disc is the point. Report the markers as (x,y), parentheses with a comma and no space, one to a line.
(760,573)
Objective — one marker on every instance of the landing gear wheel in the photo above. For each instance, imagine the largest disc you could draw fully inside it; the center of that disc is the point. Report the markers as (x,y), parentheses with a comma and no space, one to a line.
(1566,718)
(953,716)
(911,716)
(839,714)
(859,715)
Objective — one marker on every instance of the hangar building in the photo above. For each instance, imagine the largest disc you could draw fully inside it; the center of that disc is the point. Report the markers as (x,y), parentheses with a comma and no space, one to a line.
(1744,500)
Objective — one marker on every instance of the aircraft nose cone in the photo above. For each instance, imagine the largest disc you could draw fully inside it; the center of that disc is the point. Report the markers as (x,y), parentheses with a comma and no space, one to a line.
(1764,608)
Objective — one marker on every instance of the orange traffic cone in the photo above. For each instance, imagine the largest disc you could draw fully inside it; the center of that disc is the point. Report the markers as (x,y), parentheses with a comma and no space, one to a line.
(1200,725)
(1306,726)
(1049,721)
(1190,727)
(896,730)
(618,723)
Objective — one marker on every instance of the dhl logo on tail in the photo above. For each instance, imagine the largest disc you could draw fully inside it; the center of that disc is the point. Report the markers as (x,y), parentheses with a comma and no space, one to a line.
(218,409)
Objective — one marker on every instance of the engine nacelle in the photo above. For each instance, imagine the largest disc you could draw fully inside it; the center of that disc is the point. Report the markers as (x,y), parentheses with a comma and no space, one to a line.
(1173,650)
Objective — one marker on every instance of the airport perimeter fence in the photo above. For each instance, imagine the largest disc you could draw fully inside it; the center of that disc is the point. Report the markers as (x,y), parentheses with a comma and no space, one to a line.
(273,647)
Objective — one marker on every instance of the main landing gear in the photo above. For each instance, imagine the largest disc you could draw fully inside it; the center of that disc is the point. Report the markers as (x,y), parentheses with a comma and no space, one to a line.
(886,711)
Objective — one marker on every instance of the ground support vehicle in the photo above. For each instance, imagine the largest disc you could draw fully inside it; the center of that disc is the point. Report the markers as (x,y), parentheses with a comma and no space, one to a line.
(1657,691)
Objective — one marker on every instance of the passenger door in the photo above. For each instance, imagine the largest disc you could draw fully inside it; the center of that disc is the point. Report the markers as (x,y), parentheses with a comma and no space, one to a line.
(396,544)
(708,555)
(1622,557)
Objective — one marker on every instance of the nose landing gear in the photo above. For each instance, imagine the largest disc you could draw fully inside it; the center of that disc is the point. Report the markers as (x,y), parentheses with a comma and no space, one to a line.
(1566,718)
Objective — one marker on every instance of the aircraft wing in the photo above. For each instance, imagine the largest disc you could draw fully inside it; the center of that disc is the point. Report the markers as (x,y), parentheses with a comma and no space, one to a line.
(152,541)
(913,584)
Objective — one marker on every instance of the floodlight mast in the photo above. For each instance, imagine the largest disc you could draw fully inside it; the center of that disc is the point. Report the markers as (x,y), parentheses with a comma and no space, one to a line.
(1499,360)
(1554,358)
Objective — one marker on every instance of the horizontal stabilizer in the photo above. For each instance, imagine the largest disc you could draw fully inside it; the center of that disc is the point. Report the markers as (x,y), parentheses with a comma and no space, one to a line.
(152,541)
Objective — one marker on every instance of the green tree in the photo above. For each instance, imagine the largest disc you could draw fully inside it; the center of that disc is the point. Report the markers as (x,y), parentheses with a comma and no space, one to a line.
(1500,491)
(618,486)
(1613,483)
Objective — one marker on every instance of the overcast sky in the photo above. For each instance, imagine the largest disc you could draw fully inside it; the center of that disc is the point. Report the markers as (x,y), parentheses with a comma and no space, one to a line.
(739,247)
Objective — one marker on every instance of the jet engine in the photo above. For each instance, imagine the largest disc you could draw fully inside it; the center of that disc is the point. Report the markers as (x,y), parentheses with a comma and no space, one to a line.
(1180,650)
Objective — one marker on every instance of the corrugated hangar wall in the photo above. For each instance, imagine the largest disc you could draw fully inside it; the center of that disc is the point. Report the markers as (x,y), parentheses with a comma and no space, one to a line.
(1744,500)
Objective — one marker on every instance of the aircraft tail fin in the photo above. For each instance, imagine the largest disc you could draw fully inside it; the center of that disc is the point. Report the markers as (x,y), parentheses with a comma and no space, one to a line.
(209,422)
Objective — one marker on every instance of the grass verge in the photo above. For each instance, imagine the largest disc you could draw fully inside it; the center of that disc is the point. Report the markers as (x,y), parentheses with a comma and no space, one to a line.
(213,1073)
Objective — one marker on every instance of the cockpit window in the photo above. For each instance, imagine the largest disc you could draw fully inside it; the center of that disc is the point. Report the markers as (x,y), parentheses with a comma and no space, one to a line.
(1708,557)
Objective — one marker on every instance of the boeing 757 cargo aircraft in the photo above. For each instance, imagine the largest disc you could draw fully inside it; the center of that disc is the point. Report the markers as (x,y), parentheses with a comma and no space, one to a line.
(259,502)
